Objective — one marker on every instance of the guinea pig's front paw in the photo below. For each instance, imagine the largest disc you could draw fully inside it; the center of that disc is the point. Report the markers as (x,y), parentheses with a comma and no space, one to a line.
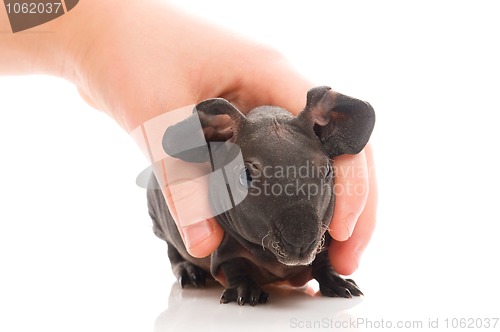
(333,285)
(330,283)
(246,292)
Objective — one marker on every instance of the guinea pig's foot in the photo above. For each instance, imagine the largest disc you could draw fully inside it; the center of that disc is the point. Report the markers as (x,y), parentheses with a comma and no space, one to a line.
(333,285)
(190,274)
(330,283)
(248,292)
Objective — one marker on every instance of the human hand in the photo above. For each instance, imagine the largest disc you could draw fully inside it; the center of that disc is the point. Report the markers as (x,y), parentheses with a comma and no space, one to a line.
(152,58)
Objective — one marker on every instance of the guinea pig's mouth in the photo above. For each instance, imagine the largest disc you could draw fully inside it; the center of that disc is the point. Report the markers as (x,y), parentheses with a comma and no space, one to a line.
(296,260)
(292,256)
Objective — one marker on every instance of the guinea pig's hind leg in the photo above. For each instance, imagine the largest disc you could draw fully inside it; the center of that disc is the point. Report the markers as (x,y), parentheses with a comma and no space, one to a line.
(186,272)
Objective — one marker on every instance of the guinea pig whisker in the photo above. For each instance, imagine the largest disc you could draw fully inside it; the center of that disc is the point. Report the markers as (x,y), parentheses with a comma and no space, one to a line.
(281,253)
(276,246)
(325,228)
(321,245)
(264,247)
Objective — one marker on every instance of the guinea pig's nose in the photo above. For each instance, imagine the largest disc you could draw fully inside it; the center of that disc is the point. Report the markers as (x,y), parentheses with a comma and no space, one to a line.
(299,229)
(299,246)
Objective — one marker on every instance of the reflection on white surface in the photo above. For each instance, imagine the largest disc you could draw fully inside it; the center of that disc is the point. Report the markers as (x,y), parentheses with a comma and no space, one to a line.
(395,298)
(287,309)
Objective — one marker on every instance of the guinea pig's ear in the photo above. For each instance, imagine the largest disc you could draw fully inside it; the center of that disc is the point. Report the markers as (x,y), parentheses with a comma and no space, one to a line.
(213,120)
(343,124)
(219,119)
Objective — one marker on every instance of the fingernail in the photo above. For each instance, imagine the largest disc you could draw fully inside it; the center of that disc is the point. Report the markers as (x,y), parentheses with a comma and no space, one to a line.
(357,256)
(350,222)
(343,231)
(197,233)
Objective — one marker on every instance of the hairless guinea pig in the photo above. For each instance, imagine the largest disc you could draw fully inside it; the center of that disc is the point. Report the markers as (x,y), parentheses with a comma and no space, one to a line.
(278,231)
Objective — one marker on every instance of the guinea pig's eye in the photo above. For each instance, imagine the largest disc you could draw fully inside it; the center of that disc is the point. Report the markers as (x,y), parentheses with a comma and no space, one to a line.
(246,177)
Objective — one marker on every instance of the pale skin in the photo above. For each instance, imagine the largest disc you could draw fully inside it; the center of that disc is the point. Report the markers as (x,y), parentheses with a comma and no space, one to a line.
(136,60)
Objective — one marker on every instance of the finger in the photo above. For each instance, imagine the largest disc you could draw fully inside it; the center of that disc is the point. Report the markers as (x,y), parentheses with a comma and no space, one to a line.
(351,192)
(200,233)
(184,185)
(345,256)
(186,192)
(202,238)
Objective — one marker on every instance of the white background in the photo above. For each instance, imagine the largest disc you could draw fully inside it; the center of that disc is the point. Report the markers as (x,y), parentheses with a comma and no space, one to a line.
(76,248)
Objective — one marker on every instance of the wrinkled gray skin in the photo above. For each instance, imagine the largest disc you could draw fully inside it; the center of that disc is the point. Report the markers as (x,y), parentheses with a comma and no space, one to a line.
(270,237)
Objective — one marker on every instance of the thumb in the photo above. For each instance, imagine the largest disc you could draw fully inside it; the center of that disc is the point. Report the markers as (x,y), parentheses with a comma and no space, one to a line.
(202,238)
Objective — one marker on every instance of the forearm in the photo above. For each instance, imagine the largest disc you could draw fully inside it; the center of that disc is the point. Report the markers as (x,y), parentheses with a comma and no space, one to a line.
(57,47)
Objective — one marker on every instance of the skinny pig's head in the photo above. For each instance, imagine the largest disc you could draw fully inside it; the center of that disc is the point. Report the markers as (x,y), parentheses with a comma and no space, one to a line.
(285,171)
